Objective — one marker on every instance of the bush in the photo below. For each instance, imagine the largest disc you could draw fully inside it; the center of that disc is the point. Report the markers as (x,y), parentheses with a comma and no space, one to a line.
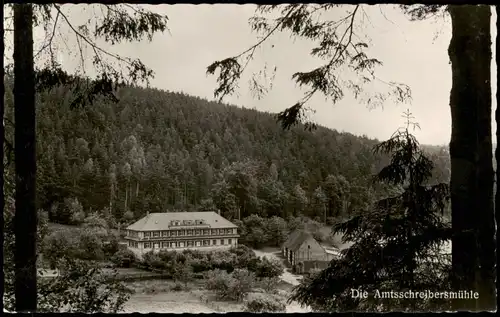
(200,264)
(90,247)
(269,268)
(263,304)
(243,282)
(153,262)
(233,286)
(223,260)
(124,258)
(55,246)
(269,284)
(183,273)
(111,246)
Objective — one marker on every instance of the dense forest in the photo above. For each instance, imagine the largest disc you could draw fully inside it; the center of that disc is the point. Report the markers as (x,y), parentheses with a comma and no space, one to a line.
(162,151)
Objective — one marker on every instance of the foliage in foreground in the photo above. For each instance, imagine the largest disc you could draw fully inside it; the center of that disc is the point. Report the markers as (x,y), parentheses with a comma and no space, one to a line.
(82,287)
(267,304)
(234,286)
(396,244)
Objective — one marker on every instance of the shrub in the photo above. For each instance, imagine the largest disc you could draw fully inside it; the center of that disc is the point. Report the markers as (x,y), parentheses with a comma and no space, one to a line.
(77,218)
(90,247)
(153,262)
(269,284)
(242,284)
(218,281)
(55,246)
(199,264)
(269,268)
(233,286)
(263,304)
(124,258)
(183,273)
(81,287)
(111,246)
(223,260)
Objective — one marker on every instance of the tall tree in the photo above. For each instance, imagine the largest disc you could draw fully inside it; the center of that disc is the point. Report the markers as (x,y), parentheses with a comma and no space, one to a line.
(396,242)
(25,219)
(471,154)
(117,25)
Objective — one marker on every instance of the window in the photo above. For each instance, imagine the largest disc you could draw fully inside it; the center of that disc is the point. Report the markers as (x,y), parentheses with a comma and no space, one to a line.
(190,243)
(164,245)
(136,244)
(174,233)
(172,244)
(234,231)
(164,233)
(206,243)
(130,243)
(146,234)
(181,232)
(214,242)
(213,232)
(198,243)
(181,244)
(197,232)
(229,231)
(205,232)
(190,232)
(147,245)
(228,241)
(156,234)
(221,241)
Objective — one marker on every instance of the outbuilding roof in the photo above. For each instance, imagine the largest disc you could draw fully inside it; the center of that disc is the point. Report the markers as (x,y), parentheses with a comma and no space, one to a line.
(296,239)
(163,221)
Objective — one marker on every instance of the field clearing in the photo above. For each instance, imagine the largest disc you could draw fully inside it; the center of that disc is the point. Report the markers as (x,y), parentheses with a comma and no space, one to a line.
(194,300)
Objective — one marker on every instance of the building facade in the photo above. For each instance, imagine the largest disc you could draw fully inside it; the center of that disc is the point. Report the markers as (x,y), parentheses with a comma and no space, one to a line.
(181,230)
(303,252)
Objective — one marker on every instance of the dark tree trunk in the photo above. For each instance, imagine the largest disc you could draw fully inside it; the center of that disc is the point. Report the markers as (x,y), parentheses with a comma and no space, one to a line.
(471,150)
(485,173)
(25,219)
(497,158)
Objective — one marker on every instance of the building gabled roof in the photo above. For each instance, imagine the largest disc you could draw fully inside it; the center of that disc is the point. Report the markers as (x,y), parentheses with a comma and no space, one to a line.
(296,239)
(163,220)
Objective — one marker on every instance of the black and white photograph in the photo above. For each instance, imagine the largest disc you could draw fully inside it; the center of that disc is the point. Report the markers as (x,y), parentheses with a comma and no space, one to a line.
(262,158)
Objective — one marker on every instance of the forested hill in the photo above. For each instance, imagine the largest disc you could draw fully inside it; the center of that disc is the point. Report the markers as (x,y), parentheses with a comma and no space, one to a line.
(159,151)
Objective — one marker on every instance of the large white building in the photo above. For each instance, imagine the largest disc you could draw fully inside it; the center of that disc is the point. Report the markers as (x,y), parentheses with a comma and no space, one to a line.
(181,230)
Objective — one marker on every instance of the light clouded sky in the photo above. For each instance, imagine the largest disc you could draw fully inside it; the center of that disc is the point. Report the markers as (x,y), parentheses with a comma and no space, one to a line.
(414,53)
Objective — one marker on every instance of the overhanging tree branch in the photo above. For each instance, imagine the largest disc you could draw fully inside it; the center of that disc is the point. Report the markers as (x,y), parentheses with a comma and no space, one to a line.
(334,46)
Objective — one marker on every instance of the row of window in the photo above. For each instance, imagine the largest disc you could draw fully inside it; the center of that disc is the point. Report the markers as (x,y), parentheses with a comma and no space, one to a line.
(189,232)
(133,244)
(182,244)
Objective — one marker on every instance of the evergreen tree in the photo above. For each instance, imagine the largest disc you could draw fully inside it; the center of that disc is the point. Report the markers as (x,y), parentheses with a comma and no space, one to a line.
(397,243)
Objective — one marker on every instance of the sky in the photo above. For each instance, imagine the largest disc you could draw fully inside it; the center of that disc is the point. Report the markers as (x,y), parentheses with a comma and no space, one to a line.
(414,53)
